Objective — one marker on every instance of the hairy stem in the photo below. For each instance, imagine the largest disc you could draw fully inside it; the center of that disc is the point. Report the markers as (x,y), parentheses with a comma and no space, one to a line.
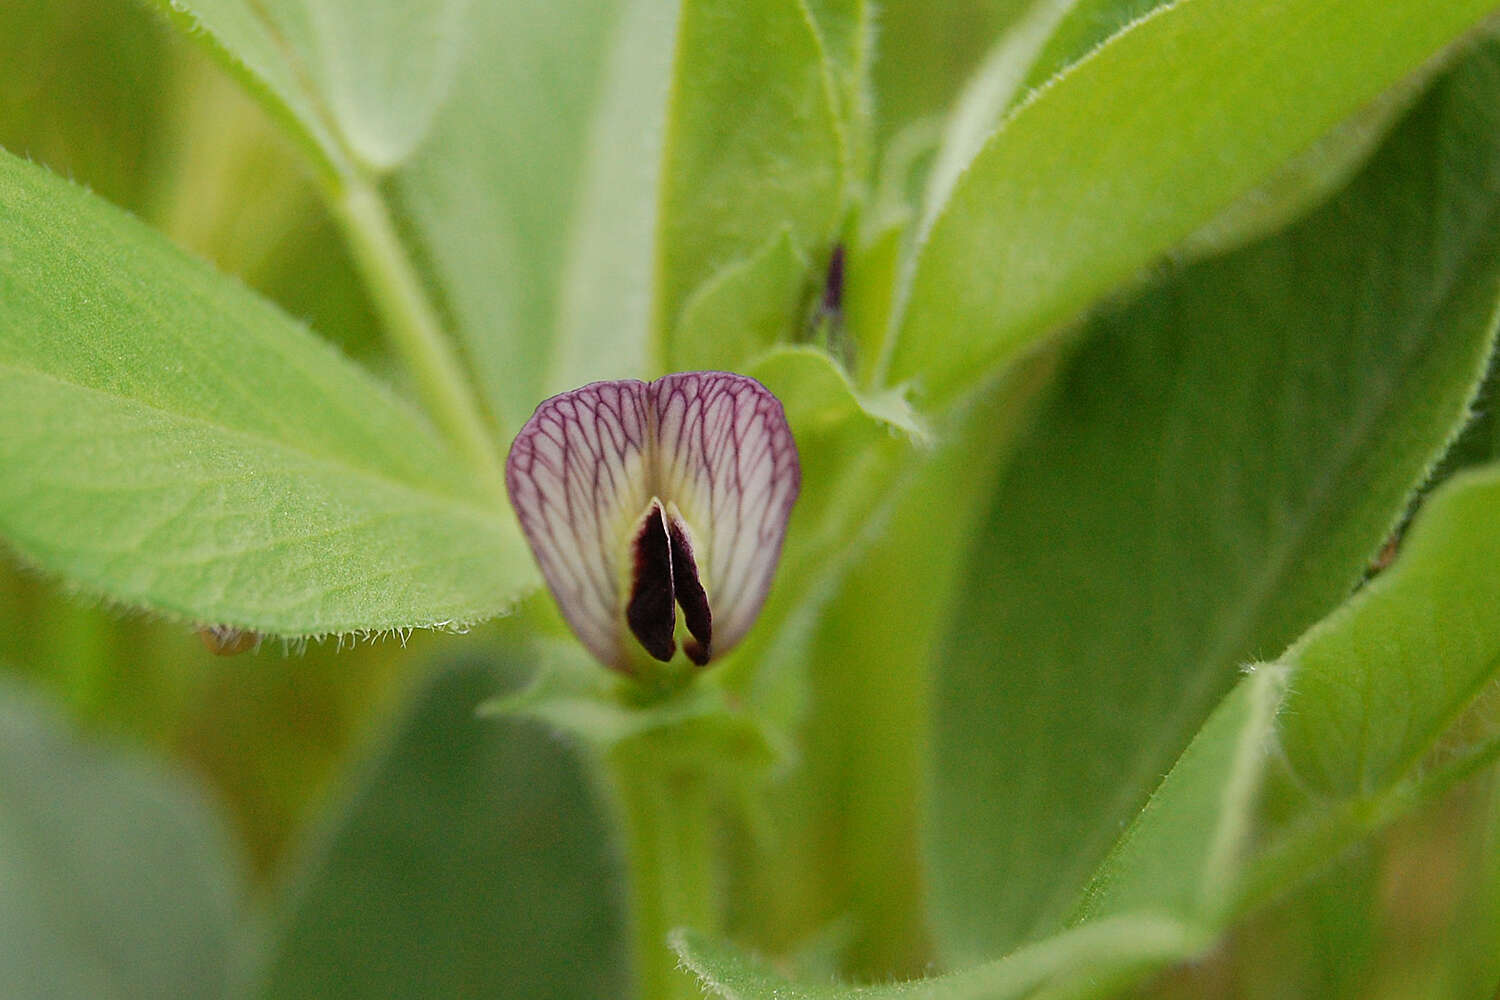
(413,326)
(665,815)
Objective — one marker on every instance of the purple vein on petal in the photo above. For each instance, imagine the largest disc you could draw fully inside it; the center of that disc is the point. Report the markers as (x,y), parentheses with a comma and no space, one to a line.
(577,479)
(715,449)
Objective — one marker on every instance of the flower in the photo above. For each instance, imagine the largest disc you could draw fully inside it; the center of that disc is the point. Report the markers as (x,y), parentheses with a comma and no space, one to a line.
(642,498)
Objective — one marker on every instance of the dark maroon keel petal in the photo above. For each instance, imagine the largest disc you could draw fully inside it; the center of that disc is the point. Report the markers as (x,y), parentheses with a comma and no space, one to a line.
(690,596)
(650,613)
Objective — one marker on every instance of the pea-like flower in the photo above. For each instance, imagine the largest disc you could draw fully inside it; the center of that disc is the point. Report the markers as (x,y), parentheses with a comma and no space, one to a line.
(642,498)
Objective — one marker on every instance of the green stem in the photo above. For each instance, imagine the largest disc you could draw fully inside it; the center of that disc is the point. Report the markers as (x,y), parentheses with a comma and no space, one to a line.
(667,817)
(413,326)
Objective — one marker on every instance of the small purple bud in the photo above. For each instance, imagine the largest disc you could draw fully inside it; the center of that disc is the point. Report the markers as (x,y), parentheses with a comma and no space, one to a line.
(639,499)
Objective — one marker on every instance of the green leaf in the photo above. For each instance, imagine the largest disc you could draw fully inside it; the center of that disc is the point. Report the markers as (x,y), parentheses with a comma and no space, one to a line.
(926,52)
(470,860)
(1088,24)
(603,326)
(380,71)
(1064,204)
(986,98)
(1379,682)
(376,72)
(505,195)
(743,310)
(169,440)
(1183,852)
(753,144)
(237,35)
(117,879)
(1085,961)
(848,813)
(1220,461)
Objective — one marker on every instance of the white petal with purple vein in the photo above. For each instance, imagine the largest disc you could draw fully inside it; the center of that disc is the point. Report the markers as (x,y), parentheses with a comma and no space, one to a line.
(713,447)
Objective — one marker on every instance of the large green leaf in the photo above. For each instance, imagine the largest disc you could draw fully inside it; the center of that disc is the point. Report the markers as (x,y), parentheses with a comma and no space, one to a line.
(1384,710)
(1221,459)
(472,860)
(169,440)
(753,145)
(1070,199)
(116,878)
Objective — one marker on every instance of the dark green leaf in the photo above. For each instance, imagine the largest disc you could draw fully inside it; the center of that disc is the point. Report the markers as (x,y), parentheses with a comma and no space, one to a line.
(471,861)
(116,879)
(1220,461)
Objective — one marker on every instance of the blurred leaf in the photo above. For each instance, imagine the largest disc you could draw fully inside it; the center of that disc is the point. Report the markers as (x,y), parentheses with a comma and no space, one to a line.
(1182,853)
(116,879)
(375,72)
(753,145)
(603,324)
(171,441)
(846,30)
(471,860)
(1380,681)
(236,33)
(492,197)
(743,309)
(1220,461)
(1085,961)
(379,71)
(84,84)
(925,52)
(1063,205)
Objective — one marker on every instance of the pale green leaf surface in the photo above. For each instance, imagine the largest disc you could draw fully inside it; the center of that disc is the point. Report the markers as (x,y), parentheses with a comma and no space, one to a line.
(117,881)
(1084,961)
(1377,683)
(604,299)
(237,35)
(1221,459)
(472,859)
(490,198)
(170,440)
(379,70)
(744,309)
(1068,199)
(753,144)
(847,32)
